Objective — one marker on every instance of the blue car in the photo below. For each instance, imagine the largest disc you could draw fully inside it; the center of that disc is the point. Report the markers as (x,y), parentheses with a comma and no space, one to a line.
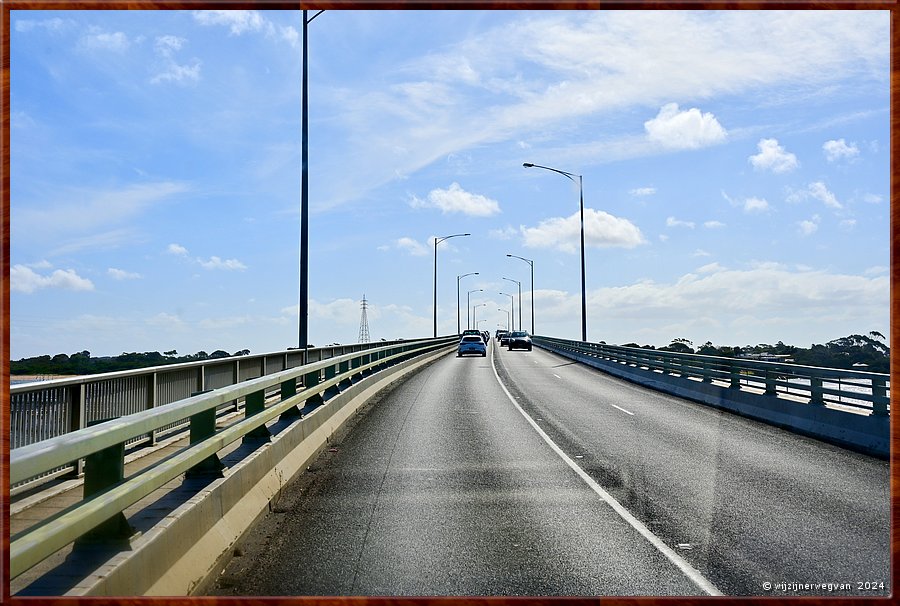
(471,344)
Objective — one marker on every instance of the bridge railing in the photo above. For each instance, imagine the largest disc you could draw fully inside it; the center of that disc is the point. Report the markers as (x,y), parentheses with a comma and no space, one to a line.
(862,392)
(109,493)
(43,410)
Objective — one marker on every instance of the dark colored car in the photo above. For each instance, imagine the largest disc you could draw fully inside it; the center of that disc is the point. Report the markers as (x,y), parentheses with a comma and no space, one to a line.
(518,339)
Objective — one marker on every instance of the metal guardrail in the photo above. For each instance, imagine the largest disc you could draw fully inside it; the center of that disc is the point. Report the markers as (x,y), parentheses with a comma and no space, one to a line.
(47,409)
(103,443)
(864,392)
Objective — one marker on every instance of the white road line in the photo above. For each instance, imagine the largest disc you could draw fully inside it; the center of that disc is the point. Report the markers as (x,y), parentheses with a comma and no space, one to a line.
(689,571)
(557,376)
(622,409)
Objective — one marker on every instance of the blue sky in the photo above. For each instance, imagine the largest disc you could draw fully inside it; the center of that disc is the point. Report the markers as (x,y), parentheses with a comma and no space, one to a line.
(735,168)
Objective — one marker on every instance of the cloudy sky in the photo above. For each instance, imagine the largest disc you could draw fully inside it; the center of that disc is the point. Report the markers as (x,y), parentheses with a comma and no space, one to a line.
(735,172)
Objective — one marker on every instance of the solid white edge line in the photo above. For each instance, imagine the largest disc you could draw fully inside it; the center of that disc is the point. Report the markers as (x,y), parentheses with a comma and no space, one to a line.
(689,571)
(622,409)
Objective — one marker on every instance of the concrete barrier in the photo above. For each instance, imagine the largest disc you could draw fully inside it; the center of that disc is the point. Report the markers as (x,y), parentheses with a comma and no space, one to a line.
(868,434)
(184,553)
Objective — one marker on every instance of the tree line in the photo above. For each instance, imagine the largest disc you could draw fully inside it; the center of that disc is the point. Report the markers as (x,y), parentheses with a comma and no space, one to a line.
(865,353)
(82,363)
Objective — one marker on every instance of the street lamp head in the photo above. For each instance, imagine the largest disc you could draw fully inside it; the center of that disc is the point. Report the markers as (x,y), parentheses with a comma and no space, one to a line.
(528,165)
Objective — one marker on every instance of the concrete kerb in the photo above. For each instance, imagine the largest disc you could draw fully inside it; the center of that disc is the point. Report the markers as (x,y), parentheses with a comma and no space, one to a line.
(868,434)
(183,554)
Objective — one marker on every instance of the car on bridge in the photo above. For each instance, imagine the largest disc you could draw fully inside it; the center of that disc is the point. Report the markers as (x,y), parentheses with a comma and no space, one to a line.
(518,339)
(471,344)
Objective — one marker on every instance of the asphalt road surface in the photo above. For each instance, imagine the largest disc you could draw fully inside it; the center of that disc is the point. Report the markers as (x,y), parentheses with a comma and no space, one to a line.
(524,473)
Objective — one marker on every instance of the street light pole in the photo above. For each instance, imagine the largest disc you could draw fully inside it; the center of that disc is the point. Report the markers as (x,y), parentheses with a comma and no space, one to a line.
(436,242)
(506,311)
(512,312)
(519,284)
(531,263)
(572,176)
(303,302)
(468,315)
(475,273)
(475,314)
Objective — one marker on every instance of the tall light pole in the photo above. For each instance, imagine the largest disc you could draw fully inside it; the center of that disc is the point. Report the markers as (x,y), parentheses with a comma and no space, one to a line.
(475,314)
(531,263)
(519,284)
(506,311)
(474,273)
(572,176)
(512,311)
(468,315)
(303,305)
(436,242)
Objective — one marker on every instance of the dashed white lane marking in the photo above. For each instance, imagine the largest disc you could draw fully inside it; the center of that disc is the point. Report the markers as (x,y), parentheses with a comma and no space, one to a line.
(557,376)
(683,565)
(622,409)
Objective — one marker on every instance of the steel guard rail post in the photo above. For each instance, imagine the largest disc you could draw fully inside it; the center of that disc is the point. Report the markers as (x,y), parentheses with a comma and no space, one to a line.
(45,538)
(869,392)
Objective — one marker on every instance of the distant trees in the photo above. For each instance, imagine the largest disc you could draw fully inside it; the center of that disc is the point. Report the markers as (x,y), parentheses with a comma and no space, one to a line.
(860,352)
(81,363)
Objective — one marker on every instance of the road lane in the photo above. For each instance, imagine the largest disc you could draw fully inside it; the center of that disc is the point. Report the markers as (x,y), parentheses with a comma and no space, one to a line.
(749,504)
(443,488)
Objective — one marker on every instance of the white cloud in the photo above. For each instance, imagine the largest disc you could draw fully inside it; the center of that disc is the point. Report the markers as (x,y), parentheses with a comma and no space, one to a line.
(773,157)
(673,222)
(505,233)
(838,150)
(713,224)
(643,191)
(121,274)
(817,191)
(24,279)
(600,230)
(104,41)
(809,226)
(166,46)
(76,210)
(456,200)
(553,68)
(872,198)
(217,263)
(710,269)
(689,129)
(755,205)
(178,73)
(51,25)
(701,253)
(237,21)
(750,205)
(411,246)
(176,249)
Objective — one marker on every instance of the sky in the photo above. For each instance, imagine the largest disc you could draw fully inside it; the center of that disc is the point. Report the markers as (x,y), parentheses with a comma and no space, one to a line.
(734,169)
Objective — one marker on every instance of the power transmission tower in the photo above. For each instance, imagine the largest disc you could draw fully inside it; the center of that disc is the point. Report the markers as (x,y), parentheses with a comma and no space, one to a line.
(364,323)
